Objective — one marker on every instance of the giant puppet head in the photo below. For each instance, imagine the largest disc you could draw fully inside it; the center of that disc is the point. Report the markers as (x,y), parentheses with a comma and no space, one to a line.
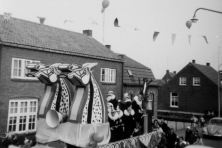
(72,109)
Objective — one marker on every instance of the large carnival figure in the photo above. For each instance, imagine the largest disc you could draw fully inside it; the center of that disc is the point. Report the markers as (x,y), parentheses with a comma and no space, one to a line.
(72,109)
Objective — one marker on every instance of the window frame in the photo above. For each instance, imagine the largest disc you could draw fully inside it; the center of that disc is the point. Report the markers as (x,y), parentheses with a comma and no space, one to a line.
(21,121)
(174,99)
(195,80)
(108,75)
(21,74)
(182,81)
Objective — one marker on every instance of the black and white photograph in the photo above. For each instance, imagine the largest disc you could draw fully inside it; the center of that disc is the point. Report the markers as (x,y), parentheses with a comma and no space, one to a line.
(110,74)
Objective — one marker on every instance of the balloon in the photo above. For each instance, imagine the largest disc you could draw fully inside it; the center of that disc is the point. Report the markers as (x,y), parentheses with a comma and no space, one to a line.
(105,3)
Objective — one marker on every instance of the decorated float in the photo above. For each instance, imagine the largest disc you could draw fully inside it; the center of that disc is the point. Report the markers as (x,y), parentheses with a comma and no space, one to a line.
(74,111)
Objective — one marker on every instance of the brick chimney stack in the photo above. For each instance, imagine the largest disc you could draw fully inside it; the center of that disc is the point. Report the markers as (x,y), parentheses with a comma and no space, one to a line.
(87,32)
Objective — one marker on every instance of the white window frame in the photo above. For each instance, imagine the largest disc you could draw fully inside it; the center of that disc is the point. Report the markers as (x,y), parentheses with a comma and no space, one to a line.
(196,81)
(182,81)
(26,109)
(22,68)
(108,75)
(174,99)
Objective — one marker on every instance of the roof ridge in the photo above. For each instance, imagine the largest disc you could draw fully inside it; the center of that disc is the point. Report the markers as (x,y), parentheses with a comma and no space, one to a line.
(45,25)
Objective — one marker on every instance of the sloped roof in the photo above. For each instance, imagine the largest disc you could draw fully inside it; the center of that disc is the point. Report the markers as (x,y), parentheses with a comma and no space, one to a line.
(28,34)
(157,82)
(139,72)
(208,71)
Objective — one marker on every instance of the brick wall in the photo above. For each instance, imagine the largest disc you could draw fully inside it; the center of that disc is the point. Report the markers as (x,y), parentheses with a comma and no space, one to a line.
(191,98)
(10,88)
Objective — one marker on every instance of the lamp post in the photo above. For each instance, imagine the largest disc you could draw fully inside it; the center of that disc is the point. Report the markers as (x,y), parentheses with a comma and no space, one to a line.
(188,25)
(147,107)
(194,18)
(219,82)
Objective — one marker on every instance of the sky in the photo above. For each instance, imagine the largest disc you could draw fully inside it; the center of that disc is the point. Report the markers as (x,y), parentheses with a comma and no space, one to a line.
(138,20)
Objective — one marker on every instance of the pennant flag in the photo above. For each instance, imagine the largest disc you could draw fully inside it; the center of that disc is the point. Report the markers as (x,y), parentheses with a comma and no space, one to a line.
(173,37)
(155,34)
(116,22)
(205,38)
(189,39)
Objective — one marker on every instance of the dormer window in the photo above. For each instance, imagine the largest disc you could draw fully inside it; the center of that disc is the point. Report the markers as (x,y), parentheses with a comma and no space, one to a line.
(130,73)
(196,81)
(182,81)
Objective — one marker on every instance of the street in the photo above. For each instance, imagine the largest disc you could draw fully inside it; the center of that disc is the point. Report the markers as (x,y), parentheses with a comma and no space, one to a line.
(216,143)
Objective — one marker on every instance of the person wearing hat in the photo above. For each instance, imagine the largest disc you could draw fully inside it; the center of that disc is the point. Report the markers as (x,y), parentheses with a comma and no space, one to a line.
(129,120)
(114,117)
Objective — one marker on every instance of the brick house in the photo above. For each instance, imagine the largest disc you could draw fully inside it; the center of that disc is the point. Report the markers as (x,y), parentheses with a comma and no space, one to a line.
(192,91)
(168,75)
(22,42)
(134,74)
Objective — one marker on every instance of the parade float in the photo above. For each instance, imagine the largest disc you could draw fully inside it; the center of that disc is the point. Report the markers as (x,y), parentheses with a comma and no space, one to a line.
(73,110)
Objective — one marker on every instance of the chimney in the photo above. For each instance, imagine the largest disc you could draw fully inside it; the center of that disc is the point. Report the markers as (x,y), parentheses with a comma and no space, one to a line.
(7,16)
(108,46)
(87,32)
(41,20)
(208,64)
(174,72)
(121,56)
(167,71)
(193,61)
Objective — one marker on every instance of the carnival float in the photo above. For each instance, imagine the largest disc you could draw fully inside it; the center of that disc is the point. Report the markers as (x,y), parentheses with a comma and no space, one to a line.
(74,111)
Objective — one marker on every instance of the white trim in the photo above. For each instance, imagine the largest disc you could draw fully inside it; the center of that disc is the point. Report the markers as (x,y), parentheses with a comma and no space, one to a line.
(196,81)
(23,63)
(171,99)
(109,75)
(20,114)
(182,81)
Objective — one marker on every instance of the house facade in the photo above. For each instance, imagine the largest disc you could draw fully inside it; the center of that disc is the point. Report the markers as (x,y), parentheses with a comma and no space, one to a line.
(23,42)
(192,91)
(134,74)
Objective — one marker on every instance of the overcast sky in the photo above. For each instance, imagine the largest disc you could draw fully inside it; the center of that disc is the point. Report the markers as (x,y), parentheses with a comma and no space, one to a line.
(138,19)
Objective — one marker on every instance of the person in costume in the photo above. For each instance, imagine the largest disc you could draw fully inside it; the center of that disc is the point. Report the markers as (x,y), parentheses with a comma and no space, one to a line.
(129,120)
(137,107)
(114,117)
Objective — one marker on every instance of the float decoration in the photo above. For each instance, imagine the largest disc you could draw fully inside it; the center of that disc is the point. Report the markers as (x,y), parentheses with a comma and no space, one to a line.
(72,109)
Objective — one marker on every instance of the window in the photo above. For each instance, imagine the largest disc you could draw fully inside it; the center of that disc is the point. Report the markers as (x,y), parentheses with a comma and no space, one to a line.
(174,99)
(18,68)
(130,73)
(108,75)
(22,115)
(196,81)
(183,81)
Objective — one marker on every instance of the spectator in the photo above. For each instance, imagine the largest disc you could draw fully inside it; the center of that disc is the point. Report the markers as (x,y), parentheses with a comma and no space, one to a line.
(181,143)
(164,126)
(194,119)
(171,139)
(156,125)
(202,121)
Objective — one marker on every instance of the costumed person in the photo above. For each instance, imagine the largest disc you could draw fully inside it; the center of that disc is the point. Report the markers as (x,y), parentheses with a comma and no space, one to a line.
(129,120)
(126,98)
(114,117)
(137,107)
